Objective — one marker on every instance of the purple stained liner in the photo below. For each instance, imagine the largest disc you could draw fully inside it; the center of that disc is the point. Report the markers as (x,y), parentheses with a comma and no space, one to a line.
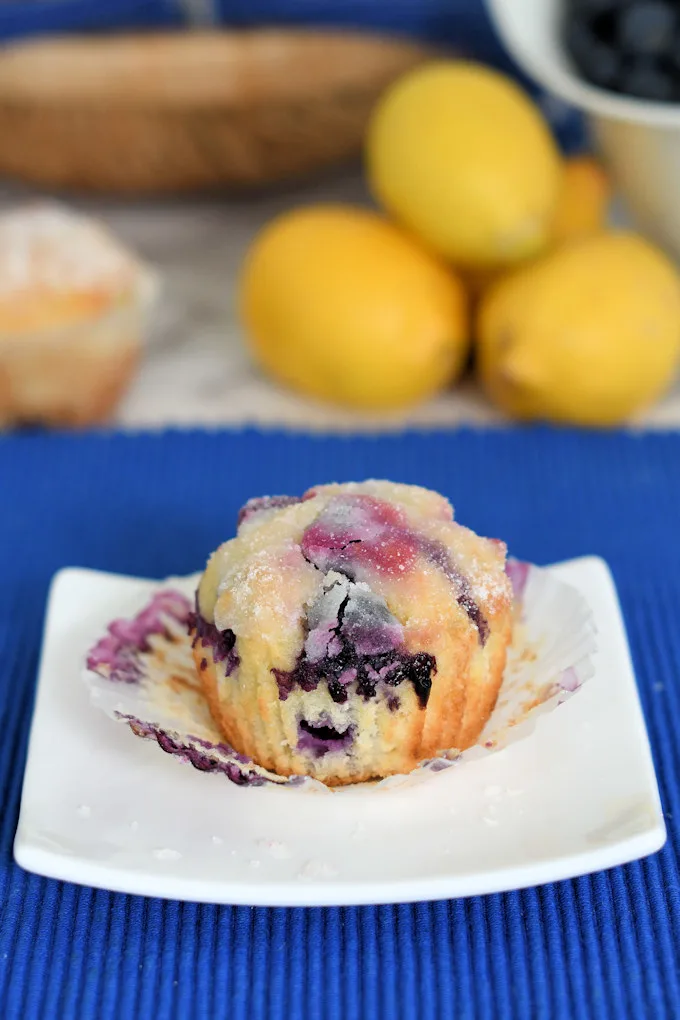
(569,680)
(116,655)
(238,770)
(518,573)
(133,636)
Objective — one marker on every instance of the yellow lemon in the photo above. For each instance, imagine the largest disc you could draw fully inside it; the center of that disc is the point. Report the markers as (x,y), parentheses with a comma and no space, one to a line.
(588,334)
(583,201)
(461,156)
(582,207)
(340,304)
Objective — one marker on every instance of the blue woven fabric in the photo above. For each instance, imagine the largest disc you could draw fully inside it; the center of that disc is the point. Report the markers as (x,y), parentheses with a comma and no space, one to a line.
(462,24)
(605,946)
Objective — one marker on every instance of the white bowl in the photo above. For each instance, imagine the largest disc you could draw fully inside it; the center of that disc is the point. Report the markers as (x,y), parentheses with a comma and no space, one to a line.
(639,140)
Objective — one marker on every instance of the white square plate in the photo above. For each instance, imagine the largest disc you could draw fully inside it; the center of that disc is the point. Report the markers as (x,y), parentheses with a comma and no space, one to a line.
(102,807)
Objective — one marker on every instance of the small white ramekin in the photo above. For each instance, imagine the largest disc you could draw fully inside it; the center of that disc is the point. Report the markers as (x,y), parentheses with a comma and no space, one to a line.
(639,140)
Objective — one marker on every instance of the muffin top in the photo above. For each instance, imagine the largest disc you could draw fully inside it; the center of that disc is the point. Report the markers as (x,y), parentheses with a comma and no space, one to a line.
(349,577)
(57,267)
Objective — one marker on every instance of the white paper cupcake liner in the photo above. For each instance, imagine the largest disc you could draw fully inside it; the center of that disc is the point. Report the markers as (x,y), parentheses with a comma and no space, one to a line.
(141,672)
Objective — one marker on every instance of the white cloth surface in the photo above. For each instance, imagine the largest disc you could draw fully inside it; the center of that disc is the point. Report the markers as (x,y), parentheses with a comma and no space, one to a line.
(196,369)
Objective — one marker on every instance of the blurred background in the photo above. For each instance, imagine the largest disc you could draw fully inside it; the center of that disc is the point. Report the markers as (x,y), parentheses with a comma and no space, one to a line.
(466,269)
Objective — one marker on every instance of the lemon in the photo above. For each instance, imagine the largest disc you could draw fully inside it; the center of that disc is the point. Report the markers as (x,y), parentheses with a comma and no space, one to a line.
(340,304)
(583,201)
(461,156)
(582,207)
(588,334)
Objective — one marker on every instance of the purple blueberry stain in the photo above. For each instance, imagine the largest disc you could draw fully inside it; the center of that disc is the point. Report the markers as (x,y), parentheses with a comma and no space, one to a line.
(116,655)
(569,680)
(348,677)
(420,670)
(115,660)
(353,639)
(357,534)
(438,554)
(222,642)
(222,748)
(237,768)
(519,575)
(368,625)
(286,681)
(321,737)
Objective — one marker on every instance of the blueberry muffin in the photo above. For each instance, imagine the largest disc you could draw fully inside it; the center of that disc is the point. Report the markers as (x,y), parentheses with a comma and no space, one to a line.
(72,309)
(353,632)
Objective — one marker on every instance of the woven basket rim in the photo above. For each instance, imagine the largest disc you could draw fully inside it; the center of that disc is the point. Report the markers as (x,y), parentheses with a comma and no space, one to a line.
(167,71)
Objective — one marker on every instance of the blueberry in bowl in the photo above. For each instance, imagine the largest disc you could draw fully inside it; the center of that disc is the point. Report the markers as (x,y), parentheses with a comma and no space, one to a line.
(353,632)
(628,46)
(619,62)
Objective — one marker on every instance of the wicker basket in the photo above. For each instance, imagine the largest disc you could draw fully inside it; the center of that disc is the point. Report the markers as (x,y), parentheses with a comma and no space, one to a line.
(184,112)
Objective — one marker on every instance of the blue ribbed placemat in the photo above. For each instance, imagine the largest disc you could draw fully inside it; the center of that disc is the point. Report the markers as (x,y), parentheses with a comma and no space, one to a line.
(601,946)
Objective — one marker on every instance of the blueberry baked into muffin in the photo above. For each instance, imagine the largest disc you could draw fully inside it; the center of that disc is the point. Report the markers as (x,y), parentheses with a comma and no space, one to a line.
(626,46)
(353,632)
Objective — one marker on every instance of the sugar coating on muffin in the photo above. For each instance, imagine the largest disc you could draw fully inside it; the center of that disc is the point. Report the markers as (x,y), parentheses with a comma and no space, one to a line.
(56,264)
(72,306)
(353,632)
